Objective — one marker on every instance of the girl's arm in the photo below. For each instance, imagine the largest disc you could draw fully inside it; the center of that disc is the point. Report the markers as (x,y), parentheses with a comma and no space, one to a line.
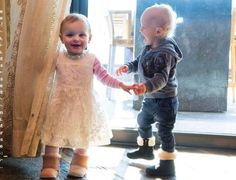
(103,76)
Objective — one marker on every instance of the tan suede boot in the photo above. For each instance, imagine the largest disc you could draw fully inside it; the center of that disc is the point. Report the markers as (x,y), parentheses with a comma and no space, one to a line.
(78,166)
(51,166)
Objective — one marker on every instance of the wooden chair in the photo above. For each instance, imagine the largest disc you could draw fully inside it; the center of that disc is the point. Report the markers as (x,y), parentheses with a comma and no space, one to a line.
(120,25)
(232,78)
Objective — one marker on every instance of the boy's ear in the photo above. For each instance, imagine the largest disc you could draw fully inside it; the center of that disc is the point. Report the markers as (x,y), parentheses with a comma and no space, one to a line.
(159,31)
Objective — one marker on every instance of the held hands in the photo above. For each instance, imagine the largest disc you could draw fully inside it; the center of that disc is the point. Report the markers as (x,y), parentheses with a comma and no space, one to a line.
(138,89)
(126,88)
(121,70)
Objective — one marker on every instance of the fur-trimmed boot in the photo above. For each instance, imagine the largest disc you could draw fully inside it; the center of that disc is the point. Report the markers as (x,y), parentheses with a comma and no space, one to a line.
(166,167)
(78,166)
(145,150)
(51,166)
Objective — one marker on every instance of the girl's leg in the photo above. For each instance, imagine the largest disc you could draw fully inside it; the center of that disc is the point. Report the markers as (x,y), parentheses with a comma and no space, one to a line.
(51,163)
(81,151)
(51,150)
(78,166)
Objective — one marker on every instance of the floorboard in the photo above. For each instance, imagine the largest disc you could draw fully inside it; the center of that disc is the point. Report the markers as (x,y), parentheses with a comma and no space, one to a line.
(110,163)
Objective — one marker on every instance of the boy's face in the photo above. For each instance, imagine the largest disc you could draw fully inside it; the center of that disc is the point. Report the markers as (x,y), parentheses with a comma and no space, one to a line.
(147,31)
(150,32)
(75,37)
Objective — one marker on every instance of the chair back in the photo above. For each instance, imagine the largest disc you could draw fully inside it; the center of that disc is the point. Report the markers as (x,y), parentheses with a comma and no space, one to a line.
(120,25)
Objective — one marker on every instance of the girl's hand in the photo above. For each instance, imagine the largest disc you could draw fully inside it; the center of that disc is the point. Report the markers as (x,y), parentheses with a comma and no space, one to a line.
(126,88)
(121,70)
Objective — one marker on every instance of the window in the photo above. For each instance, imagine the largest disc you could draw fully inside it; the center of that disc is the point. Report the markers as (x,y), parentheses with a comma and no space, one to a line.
(192,128)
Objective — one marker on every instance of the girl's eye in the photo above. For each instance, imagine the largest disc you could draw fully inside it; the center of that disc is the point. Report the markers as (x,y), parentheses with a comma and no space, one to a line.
(82,35)
(70,34)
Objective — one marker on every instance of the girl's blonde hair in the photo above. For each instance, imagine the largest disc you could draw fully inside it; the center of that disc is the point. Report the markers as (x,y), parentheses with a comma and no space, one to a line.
(76,17)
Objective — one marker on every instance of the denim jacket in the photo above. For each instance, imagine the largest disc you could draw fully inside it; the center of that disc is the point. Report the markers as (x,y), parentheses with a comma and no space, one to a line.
(157,69)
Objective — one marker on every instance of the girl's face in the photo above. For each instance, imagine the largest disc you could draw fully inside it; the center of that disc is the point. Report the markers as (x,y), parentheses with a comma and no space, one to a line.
(75,37)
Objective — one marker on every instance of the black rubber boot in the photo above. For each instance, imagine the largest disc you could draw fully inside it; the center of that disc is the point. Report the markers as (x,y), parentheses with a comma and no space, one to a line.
(143,152)
(166,168)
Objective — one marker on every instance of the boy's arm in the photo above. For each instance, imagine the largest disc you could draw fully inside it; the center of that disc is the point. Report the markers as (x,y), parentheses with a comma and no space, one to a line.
(128,68)
(133,66)
(161,69)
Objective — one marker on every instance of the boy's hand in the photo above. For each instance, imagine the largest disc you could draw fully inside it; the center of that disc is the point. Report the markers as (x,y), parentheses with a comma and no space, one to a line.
(139,89)
(126,88)
(121,70)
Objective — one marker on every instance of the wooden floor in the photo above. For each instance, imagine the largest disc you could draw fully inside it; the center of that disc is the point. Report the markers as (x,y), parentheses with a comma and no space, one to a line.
(110,163)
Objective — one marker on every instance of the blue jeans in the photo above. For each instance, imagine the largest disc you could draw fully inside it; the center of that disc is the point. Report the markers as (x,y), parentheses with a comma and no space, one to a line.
(162,112)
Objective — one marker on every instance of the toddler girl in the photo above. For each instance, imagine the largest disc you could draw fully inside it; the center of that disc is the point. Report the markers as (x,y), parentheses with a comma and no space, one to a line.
(74,117)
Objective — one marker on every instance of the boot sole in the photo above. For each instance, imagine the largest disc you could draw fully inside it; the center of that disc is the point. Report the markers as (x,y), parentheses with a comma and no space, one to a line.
(146,158)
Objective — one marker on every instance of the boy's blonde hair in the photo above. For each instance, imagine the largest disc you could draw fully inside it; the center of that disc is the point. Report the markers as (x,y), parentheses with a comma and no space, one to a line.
(163,16)
(76,17)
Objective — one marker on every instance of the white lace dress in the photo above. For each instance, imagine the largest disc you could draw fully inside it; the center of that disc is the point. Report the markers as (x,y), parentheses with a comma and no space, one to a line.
(74,117)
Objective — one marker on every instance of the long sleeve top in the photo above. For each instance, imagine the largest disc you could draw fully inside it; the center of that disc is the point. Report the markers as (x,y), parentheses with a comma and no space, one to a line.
(103,76)
(157,69)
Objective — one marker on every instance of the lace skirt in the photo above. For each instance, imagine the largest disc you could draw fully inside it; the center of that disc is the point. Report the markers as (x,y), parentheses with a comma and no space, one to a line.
(75,119)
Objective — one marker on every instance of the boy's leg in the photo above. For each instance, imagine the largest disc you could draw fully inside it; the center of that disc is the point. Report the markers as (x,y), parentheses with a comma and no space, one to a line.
(51,163)
(145,150)
(166,166)
(165,125)
(79,163)
(145,140)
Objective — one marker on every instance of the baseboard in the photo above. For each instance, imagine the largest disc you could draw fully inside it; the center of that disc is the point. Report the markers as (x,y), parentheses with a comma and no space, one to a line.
(128,137)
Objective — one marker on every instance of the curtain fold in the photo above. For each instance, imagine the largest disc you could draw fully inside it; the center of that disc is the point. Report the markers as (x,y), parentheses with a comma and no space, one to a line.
(29,63)
(16,16)
(3,46)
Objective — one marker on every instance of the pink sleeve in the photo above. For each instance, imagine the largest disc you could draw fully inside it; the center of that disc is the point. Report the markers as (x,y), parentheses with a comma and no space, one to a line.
(103,76)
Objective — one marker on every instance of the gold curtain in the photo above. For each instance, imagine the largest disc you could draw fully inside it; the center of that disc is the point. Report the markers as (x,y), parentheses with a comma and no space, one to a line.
(28,65)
